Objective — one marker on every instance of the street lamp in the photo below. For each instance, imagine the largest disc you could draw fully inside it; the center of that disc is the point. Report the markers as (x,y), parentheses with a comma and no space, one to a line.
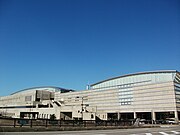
(82,104)
(29,114)
(6,110)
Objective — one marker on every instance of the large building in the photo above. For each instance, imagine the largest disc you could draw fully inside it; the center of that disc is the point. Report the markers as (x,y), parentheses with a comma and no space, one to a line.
(148,95)
(32,102)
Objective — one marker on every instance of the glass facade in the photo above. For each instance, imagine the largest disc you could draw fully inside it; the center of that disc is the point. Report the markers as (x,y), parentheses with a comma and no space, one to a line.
(136,79)
(125,84)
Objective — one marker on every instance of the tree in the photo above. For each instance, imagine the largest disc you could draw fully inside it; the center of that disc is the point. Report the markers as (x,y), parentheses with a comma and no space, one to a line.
(52,117)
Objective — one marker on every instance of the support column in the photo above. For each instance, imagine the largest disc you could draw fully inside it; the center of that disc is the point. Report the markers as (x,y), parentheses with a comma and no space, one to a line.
(176,115)
(135,115)
(153,115)
(119,115)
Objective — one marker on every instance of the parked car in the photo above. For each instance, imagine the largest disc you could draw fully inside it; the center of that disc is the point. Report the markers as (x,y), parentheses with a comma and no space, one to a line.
(142,121)
(171,121)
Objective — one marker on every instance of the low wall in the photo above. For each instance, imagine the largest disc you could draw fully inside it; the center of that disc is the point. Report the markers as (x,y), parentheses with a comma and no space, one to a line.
(43,129)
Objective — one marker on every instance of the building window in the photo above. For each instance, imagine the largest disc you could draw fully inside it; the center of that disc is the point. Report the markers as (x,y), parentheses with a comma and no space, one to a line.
(125,96)
(125,103)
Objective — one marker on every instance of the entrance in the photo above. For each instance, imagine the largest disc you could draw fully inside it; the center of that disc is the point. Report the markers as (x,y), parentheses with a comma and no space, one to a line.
(144,115)
(112,116)
(66,115)
(127,116)
(164,115)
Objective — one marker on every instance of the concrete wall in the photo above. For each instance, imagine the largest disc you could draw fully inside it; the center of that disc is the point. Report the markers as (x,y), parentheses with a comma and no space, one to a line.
(152,93)
(153,97)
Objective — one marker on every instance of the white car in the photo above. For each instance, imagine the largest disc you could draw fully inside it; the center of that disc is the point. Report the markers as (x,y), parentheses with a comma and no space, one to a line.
(171,121)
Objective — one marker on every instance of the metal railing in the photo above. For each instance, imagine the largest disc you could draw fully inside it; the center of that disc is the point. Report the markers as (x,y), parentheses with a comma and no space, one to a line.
(17,122)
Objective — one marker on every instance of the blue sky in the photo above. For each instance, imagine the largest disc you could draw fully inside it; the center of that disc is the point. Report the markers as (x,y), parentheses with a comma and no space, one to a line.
(68,43)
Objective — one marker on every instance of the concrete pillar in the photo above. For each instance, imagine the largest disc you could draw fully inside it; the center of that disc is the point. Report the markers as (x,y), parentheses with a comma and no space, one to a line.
(119,115)
(176,115)
(153,115)
(135,115)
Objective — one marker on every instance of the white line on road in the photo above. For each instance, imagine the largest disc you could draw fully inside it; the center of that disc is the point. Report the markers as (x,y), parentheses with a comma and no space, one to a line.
(142,134)
(79,134)
(163,133)
(99,134)
(175,132)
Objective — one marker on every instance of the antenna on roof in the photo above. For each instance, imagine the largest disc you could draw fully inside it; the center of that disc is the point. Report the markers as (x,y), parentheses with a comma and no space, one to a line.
(88,86)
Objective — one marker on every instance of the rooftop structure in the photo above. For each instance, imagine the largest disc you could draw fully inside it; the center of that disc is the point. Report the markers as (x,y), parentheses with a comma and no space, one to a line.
(44,88)
(153,95)
(141,77)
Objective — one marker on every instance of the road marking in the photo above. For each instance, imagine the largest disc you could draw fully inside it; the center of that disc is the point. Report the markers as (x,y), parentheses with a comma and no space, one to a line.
(80,133)
(142,134)
(175,132)
(163,133)
(99,134)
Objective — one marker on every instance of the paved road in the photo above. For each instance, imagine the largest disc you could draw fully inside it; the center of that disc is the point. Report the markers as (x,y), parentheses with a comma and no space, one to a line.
(167,130)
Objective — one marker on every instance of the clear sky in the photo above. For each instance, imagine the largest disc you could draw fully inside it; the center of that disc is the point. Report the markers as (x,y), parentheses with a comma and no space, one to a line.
(68,43)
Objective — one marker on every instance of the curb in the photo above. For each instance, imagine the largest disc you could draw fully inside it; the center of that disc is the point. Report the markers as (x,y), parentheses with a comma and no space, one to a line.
(40,129)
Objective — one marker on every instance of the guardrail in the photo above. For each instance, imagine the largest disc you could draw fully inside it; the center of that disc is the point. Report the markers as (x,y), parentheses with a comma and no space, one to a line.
(16,122)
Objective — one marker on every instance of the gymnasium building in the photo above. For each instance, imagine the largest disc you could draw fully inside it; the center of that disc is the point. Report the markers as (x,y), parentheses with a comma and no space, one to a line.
(151,95)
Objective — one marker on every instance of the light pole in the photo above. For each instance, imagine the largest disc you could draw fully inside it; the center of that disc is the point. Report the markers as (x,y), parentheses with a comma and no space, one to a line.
(29,106)
(6,111)
(82,104)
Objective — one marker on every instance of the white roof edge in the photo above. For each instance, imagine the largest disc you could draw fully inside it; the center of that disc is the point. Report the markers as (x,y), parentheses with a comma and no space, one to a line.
(137,73)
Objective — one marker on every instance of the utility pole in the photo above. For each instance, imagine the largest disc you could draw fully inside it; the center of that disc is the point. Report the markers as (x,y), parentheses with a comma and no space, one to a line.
(6,111)
(82,104)
(82,108)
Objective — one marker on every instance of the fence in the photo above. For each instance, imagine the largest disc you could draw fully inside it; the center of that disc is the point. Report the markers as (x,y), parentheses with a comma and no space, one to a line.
(15,122)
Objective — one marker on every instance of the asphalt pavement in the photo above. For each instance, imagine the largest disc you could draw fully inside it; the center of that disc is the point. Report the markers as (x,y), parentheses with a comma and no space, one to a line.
(164,130)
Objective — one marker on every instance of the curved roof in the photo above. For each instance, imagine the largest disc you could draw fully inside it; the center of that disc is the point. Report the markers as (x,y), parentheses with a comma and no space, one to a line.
(42,87)
(139,73)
